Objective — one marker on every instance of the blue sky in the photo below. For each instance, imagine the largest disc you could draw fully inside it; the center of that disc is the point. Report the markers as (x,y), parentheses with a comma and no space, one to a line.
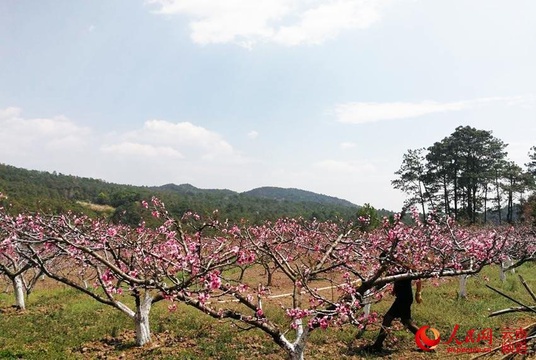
(324,96)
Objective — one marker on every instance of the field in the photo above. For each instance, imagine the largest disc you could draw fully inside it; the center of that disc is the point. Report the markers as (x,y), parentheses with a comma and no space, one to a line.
(61,323)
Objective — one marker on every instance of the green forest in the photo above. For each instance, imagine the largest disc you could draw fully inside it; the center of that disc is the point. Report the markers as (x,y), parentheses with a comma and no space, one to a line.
(31,190)
(469,176)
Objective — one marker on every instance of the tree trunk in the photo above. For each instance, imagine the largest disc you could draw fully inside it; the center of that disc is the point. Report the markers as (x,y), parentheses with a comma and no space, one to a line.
(486,204)
(242,272)
(510,207)
(497,186)
(296,349)
(446,196)
(366,308)
(504,265)
(423,202)
(270,280)
(296,354)
(143,331)
(462,293)
(456,195)
(475,204)
(18,287)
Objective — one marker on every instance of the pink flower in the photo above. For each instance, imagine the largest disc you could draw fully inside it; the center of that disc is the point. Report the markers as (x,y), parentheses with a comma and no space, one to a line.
(203,297)
(324,323)
(214,280)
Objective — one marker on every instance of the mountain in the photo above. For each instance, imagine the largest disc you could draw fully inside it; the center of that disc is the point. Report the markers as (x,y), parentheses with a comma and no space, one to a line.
(296,195)
(266,192)
(31,190)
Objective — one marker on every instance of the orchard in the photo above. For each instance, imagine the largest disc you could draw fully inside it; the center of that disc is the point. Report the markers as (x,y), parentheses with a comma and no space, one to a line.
(333,269)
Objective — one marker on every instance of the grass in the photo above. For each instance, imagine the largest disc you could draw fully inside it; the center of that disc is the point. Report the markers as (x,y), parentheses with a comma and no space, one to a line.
(97,207)
(442,309)
(61,323)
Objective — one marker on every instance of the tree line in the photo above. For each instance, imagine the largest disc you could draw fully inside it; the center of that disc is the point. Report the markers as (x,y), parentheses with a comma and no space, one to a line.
(31,190)
(468,175)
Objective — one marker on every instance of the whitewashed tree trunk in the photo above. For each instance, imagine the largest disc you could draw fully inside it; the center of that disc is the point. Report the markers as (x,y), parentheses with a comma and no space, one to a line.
(296,353)
(366,309)
(143,331)
(504,265)
(18,287)
(502,274)
(366,312)
(462,293)
(295,349)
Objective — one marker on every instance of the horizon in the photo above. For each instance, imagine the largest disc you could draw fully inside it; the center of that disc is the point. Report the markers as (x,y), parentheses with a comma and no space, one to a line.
(321,96)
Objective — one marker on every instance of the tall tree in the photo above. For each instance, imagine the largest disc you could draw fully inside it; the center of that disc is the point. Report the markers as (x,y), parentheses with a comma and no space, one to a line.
(459,173)
(411,179)
(442,170)
(479,151)
(497,174)
(516,182)
(465,159)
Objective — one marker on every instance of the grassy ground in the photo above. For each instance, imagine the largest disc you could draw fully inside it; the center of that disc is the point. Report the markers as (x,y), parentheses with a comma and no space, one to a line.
(61,323)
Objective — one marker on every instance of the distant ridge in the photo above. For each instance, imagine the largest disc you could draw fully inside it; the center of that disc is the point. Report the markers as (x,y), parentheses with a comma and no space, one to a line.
(72,187)
(32,190)
(266,192)
(296,195)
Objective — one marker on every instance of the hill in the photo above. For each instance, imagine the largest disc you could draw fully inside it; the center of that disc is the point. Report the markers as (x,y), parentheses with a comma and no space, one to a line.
(52,192)
(267,193)
(296,195)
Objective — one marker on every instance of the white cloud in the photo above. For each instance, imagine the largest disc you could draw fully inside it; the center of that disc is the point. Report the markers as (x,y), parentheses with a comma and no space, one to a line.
(161,152)
(253,134)
(286,22)
(327,20)
(55,143)
(135,149)
(358,113)
(10,112)
(158,152)
(365,112)
(25,137)
(179,140)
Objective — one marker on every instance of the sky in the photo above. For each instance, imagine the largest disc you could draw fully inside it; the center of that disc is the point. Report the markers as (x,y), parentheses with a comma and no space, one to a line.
(324,96)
